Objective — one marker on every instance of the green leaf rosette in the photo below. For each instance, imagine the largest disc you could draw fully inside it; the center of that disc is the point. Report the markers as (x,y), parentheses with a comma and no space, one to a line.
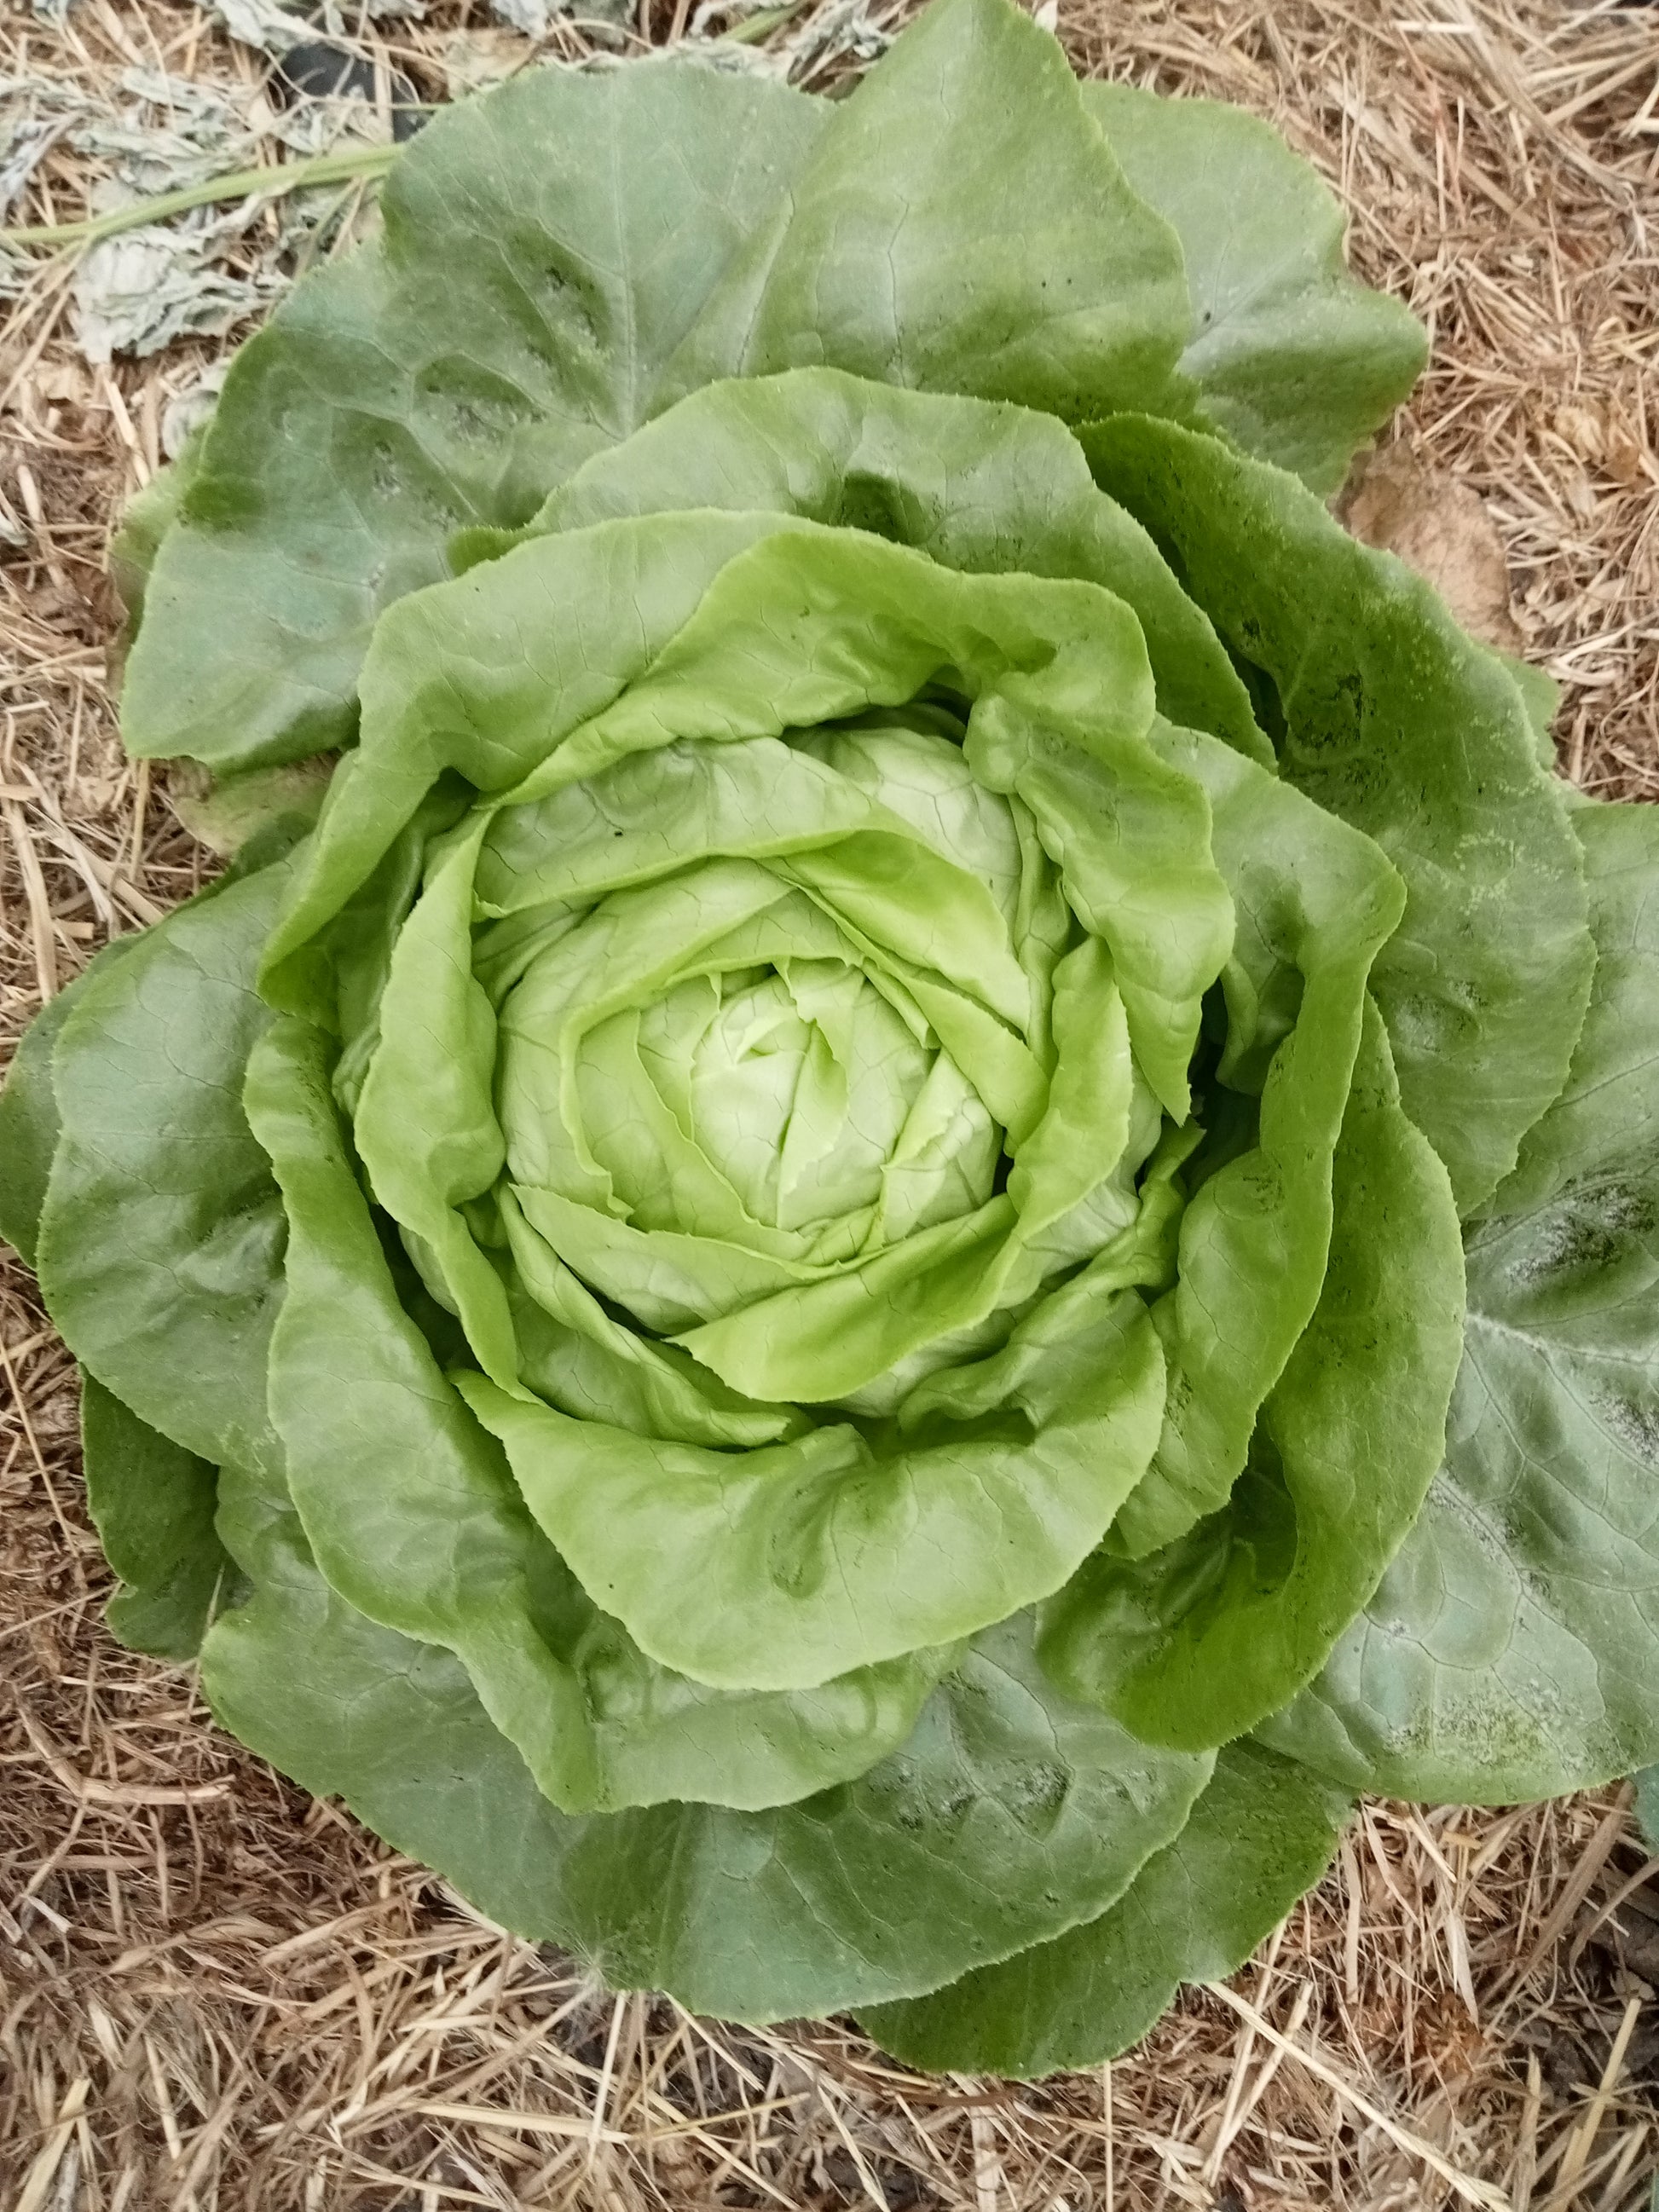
(787,1293)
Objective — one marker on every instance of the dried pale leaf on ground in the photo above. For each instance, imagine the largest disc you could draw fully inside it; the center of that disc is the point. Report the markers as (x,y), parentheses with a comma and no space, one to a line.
(186,412)
(1441,529)
(214,268)
(172,132)
(531,17)
(473,58)
(272,28)
(257,23)
(138,293)
(28,141)
(36,110)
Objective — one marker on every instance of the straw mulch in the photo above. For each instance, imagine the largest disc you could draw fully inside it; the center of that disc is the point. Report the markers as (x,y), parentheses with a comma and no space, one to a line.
(218,1995)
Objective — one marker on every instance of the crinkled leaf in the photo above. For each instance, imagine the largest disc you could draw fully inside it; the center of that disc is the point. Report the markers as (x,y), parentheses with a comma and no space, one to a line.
(1129,829)
(987,489)
(1261,1833)
(783,1567)
(425,1127)
(1313,902)
(1396,722)
(1200,1642)
(620,591)
(1290,357)
(1512,1649)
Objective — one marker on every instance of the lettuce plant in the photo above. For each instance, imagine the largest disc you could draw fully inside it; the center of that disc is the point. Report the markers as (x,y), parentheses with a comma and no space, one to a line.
(931,1202)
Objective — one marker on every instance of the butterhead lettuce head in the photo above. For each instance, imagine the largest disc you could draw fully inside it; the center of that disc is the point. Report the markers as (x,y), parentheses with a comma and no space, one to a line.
(930,1203)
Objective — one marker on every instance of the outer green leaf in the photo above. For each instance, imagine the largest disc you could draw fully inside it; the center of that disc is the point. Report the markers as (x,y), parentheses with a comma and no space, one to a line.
(778,1568)
(960,225)
(29,1127)
(1008,1816)
(659,1737)
(1290,357)
(1540,694)
(1608,1112)
(145,520)
(1403,726)
(1512,1649)
(162,1237)
(1647,1805)
(1200,1642)
(544,249)
(1262,1833)
(152,1503)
